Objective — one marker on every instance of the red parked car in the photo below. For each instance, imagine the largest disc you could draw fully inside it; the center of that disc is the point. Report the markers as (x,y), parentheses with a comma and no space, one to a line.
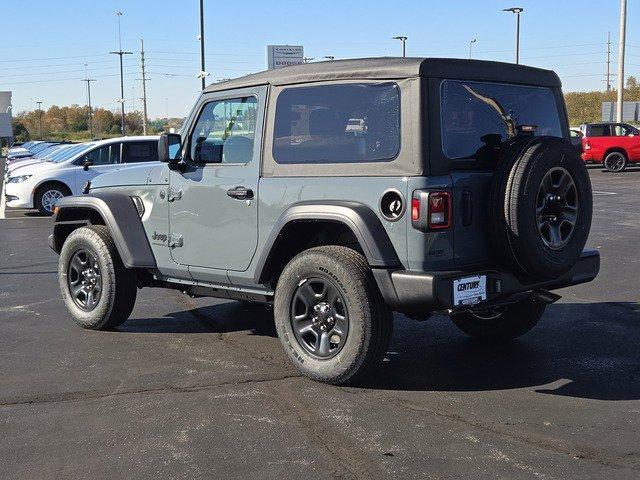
(614,144)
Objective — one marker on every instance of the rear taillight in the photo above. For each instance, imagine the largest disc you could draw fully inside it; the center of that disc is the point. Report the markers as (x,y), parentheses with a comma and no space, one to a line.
(431,210)
(415,209)
(439,210)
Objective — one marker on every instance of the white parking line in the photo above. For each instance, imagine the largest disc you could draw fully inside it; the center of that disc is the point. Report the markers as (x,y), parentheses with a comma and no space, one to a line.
(2,205)
(595,192)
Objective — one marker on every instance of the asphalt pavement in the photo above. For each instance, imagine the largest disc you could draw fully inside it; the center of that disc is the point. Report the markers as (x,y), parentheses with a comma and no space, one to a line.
(202,388)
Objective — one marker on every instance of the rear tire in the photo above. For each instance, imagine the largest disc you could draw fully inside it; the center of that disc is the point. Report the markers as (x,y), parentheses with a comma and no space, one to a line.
(615,162)
(333,285)
(501,325)
(91,249)
(47,195)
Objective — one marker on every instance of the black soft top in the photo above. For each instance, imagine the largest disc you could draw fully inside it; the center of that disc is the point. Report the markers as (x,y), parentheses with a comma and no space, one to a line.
(394,68)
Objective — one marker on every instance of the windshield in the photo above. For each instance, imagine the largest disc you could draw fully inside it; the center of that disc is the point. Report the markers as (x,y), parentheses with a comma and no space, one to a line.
(68,153)
(477,115)
(38,147)
(47,150)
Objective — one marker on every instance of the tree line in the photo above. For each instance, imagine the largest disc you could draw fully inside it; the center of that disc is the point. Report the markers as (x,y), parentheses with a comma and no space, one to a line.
(72,123)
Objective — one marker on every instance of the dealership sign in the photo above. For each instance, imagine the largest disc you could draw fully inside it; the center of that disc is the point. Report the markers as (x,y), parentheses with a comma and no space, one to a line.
(279,56)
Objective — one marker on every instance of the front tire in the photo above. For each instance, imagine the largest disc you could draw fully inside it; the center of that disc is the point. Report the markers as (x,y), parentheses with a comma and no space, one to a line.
(330,316)
(97,289)
(501,324)
(46,197)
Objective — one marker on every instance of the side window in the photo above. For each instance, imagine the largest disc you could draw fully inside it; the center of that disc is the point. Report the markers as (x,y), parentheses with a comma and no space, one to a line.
(114,153)
(225,131)
(341,123)
(134,152)
(621,130)
(599,131)
(99,156)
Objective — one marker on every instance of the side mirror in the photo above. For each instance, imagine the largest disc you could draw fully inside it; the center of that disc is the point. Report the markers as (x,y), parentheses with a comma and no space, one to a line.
(169,148)
(86,164)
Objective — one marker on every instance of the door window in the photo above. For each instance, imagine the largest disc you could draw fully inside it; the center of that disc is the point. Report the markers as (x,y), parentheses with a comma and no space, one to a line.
(599,131)
(104,155)
(225,131)
(622,130)
(134,152)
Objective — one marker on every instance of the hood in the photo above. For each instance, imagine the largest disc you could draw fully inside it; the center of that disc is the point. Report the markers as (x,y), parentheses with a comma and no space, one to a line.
(23,162)
(129,176)
(33,168)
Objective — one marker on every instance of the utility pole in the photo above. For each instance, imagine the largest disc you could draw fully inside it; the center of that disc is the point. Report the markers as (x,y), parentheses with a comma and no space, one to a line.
(40,117)
(202,73)
(623,33)
(517,11)
(403,39)
(471,45)
(89,80)
(608,62)
(144,90)
(120,53)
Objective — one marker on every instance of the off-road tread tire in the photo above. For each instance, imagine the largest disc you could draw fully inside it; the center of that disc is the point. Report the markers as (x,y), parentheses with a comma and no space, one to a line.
(119,289)
(516,320)
(514,241)
(370,319)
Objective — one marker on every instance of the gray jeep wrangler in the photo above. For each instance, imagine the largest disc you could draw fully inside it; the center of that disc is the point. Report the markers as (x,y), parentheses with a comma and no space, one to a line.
(340,192)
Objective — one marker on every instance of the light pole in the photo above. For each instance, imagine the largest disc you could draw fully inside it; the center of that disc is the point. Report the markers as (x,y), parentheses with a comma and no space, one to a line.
(203,72)
(121,53)
(40,117)
(517,11)
(623,34)
(471,45)
(89,80)
(403,39)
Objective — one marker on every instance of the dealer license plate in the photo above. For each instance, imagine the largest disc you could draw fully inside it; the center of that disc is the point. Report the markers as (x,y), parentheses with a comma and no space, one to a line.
(469,290)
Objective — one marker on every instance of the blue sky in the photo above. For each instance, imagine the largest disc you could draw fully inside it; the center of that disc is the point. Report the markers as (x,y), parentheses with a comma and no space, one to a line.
(44,44)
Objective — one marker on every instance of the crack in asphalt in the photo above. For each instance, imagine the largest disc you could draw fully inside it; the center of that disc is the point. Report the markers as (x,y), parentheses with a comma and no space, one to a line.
(541,443)
(348,461)
(96,395)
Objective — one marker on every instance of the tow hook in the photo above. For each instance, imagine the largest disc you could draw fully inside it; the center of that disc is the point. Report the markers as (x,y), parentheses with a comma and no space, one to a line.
(546,297)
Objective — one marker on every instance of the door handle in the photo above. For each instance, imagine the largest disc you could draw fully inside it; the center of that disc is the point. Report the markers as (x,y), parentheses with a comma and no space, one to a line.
(241,193)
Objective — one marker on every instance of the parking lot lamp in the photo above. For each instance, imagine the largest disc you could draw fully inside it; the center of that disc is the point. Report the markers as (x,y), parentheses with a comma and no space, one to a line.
(471,45)
(121,53)
(403,39)
(517,11)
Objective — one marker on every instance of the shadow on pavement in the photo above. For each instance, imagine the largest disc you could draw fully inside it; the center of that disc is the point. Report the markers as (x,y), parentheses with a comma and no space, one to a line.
(587,350)
(591,350)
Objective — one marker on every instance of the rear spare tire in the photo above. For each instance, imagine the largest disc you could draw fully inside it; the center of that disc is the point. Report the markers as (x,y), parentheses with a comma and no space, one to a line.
(542,205)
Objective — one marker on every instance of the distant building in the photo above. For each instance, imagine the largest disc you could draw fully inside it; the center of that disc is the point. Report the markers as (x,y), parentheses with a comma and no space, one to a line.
(630,112)
(6,128)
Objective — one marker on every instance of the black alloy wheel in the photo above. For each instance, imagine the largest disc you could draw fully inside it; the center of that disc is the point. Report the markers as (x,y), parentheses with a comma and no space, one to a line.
(84,280)
(557,208)
(615,162)
(319,317)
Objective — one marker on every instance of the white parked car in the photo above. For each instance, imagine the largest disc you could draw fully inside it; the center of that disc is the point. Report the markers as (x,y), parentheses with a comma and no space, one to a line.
(40,185)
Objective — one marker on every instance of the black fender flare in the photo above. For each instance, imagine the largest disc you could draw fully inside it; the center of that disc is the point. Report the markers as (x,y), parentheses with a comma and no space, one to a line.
(119,215)
(358,217)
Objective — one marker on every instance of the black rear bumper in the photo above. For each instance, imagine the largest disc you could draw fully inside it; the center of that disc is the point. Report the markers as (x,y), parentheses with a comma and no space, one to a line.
(418,293)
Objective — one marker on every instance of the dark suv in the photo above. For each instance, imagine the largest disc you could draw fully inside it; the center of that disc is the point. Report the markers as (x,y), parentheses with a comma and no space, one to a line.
(340,192)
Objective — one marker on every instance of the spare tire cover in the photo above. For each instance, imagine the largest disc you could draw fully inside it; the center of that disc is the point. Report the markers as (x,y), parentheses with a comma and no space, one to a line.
(541,206)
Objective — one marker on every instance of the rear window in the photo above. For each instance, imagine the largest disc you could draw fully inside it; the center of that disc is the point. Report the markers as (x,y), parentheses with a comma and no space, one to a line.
(477,115)
(341,123)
